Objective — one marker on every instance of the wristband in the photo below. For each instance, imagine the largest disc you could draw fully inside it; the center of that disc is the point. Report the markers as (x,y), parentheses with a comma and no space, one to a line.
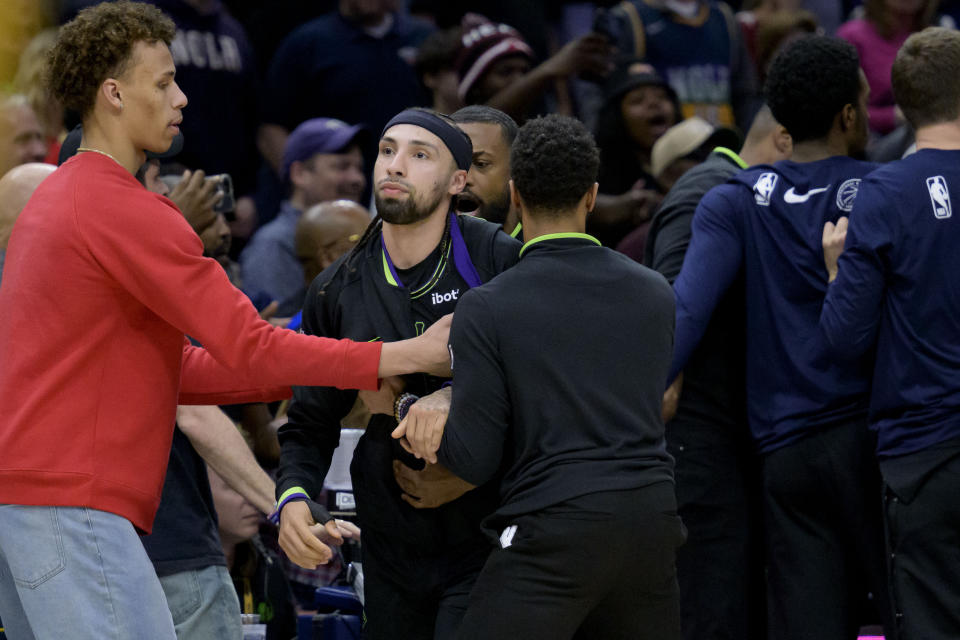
(291,494)
(274,517)
(402,405)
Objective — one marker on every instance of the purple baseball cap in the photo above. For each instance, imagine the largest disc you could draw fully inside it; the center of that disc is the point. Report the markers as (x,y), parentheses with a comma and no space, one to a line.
(318,135)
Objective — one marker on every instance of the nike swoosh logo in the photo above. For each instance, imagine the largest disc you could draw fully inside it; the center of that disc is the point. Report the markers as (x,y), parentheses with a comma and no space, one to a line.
(790,197)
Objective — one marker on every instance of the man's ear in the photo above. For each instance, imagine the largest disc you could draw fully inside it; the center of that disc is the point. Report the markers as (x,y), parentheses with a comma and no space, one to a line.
(848,118)
(110,90)
(590,197)
(783,141)
(297,171)
(457,182)
(515,199)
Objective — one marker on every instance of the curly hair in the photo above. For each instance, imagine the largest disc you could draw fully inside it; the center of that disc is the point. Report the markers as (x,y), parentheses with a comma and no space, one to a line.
(810,82)
(98,44)
(554,161)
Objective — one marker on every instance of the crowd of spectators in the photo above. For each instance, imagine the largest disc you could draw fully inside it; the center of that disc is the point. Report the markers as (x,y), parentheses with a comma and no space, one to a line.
(288,98)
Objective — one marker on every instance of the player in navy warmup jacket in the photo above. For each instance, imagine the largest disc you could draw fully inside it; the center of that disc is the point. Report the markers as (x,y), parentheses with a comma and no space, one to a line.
(807,413)
(897,289)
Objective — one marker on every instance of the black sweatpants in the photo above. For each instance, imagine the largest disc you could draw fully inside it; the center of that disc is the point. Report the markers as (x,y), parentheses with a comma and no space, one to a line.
(415,593)
(924,556)
(721,567)
(823,509)
(599,566)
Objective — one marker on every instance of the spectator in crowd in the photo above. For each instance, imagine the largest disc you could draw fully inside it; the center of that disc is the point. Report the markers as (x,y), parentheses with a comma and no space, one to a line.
(698,47)
(684,146)
(21,134)
(495,66)
(878,35)
(324,233)
(757,12)
(106,279)
(778,32)
(895,291)
(775,32)
(807,415)
(487,192)
(422,544)
(638,108)
(718,479)
(582,458)
(436,68)
(355,64)
(322,161)
(491,58)
(256,571)
(31,83)
(16,187)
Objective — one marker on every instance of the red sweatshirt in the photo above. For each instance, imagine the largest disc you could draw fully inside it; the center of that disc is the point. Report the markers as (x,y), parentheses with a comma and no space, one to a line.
(102,280)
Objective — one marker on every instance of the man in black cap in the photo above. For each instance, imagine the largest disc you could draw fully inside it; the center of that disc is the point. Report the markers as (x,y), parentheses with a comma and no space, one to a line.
(421,556)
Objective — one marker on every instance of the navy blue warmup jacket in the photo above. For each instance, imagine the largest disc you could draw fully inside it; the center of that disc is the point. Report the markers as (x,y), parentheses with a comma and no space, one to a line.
(768,223)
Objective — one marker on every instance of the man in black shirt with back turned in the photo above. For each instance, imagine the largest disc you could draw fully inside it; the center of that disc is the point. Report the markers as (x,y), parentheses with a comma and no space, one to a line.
(559,367)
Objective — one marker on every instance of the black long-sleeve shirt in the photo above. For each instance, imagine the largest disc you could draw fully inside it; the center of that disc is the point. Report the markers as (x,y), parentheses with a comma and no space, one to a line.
(714,380)
(559,366)
(355,299)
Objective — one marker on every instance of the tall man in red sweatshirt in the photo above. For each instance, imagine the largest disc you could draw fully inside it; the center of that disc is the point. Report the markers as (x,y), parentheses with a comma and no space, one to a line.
(102,280)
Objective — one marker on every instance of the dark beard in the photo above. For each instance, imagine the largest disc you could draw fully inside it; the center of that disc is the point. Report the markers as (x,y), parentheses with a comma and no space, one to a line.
(495,211)
(406,212)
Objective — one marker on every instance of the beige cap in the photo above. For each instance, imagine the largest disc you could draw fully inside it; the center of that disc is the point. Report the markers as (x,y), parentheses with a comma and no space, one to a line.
(684,138)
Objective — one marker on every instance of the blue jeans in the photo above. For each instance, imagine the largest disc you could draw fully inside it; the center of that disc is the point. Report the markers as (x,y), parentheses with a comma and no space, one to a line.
(203,603)
(79,573)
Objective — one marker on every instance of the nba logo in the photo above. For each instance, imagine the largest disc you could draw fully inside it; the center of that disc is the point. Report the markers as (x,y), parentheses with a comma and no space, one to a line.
(939,197)
(763,189)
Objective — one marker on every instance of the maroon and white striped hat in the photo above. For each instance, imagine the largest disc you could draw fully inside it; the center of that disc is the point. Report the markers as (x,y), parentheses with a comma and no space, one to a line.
(484,44)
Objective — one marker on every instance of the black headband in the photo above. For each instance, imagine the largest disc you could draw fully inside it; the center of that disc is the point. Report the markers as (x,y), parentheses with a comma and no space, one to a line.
(453,137)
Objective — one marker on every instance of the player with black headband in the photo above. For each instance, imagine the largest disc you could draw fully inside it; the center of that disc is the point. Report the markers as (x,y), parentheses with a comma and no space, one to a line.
(807,413)
(410,268)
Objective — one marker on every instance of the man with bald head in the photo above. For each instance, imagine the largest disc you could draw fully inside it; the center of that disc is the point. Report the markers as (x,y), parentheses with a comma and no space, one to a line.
(16,187)
(717,479)
(323,233)
(327,231)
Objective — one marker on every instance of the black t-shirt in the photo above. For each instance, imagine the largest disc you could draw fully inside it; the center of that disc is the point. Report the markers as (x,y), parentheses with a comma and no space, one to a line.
(185,533)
